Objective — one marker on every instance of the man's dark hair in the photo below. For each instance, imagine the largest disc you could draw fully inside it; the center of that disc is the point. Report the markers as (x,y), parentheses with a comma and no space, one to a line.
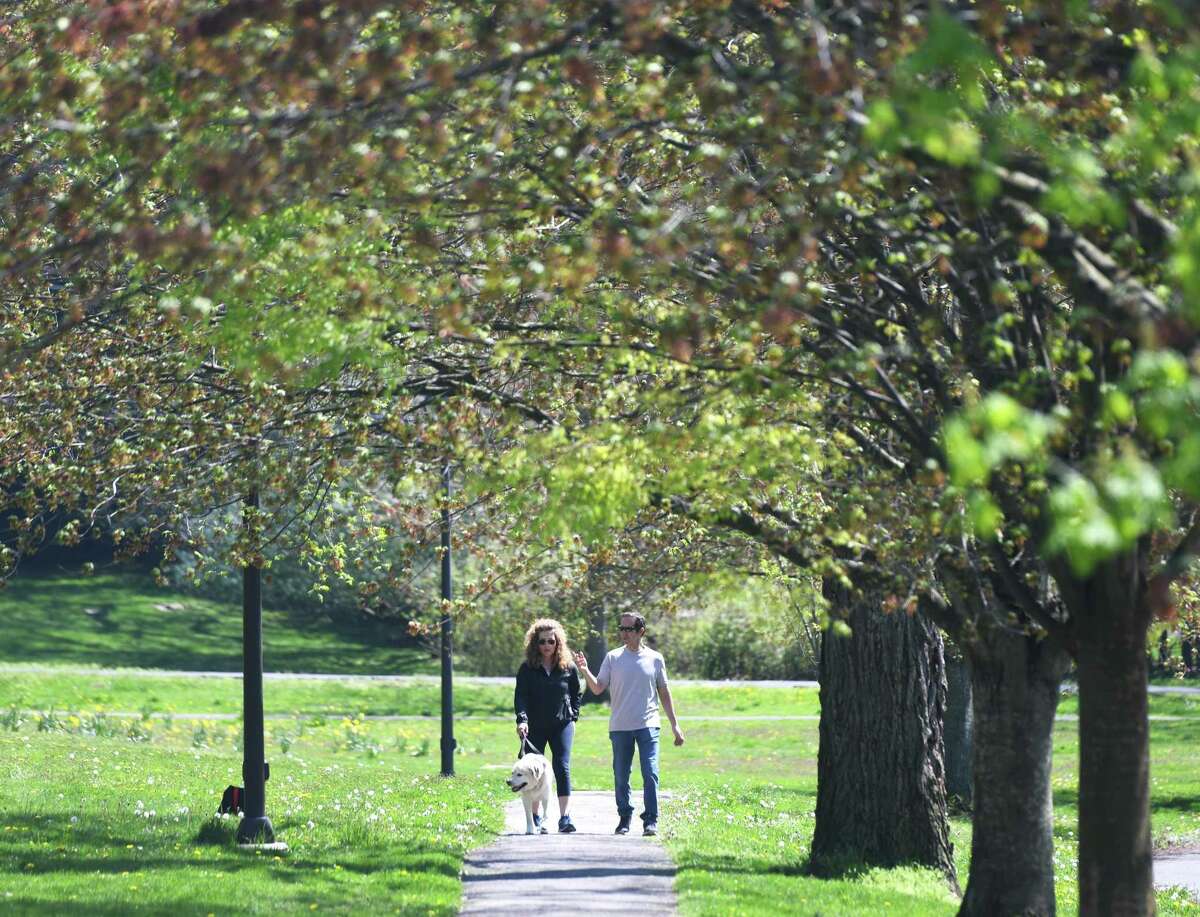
(639,621)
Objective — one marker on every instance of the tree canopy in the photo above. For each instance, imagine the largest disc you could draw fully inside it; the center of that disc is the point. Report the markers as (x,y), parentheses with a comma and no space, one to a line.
(877,286)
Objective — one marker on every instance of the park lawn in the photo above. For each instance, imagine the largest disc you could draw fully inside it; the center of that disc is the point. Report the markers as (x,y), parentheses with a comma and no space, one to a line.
(43,688)
(104,825)
(738,821)
(124,619)
(1160,704)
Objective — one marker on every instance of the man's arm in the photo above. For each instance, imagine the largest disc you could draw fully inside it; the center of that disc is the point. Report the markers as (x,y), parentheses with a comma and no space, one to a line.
(594,685)
(668,703)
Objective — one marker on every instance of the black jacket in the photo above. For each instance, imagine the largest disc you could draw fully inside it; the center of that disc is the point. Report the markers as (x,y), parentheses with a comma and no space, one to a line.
(547,701)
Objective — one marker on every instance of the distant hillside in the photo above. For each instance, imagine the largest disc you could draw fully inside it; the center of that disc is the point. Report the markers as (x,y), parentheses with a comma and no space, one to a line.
(124,619)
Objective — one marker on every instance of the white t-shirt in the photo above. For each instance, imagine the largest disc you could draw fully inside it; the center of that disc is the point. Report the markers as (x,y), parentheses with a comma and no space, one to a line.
(634,680)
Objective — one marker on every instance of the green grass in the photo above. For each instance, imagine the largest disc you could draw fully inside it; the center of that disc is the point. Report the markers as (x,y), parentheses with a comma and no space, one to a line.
(140,690)
(137,691)
(1160,704)
(95,825)
(738,824)
(123,619)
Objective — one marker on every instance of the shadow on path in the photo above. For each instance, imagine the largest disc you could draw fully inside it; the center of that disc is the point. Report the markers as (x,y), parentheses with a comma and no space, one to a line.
(592,870)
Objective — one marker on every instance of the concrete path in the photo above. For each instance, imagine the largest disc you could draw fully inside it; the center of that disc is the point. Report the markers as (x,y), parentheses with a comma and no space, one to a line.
(16,667)
(1181,868)
(505,718)
(405,717)
(591,872)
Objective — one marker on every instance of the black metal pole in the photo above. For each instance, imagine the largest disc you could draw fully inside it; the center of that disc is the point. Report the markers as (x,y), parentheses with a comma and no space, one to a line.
(448,743)
(255,827)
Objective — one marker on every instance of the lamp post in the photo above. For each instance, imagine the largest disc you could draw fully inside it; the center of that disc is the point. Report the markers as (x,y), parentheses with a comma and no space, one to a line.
(255,827)
(448,743)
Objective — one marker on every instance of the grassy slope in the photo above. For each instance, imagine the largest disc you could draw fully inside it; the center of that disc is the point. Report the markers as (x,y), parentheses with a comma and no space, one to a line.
(125,620)
(739,824)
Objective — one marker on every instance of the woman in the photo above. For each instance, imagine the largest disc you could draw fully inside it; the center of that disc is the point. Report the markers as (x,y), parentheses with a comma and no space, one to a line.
(547,704)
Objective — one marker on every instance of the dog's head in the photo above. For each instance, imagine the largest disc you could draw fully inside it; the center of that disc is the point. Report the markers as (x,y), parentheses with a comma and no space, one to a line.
(528,771)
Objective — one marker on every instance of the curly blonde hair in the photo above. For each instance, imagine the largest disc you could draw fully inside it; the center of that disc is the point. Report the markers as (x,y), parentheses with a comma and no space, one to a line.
(533,656)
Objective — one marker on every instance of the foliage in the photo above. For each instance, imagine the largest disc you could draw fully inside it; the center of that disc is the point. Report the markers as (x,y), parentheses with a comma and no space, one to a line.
(867,285)
(744,628)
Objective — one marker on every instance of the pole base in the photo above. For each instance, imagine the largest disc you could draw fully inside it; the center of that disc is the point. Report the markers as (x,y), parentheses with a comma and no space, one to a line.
(277,847)
(255,831)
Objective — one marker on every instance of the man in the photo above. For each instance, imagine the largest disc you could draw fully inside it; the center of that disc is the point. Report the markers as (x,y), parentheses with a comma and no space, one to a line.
(637,677)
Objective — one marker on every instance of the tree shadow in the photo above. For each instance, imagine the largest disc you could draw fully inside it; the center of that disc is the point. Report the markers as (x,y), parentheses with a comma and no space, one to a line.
(51,846)
(1178,803)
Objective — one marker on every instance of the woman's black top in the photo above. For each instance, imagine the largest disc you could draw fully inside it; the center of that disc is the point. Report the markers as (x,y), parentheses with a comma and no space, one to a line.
(547,700)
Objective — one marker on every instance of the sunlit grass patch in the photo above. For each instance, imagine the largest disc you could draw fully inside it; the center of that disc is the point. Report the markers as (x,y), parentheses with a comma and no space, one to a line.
(368,821)
(105,825)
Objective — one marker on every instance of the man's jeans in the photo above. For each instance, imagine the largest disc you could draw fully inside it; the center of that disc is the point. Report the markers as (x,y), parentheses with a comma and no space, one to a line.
(647,743)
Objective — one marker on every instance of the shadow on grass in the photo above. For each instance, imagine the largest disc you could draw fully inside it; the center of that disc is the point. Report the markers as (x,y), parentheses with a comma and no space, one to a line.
(125,620)
(841,887)
(751,867)
(1180,803)
(1069,797)
(35,847)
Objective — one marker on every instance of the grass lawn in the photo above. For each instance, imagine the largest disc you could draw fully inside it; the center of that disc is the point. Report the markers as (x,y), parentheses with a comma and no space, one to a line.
(123,619)
(372,831)
(139,691)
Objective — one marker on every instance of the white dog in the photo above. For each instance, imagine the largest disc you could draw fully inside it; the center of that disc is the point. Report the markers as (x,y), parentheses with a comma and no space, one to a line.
(531,778)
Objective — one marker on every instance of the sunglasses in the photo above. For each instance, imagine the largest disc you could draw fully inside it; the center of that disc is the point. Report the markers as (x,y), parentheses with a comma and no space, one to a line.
(549,642)
(626,627)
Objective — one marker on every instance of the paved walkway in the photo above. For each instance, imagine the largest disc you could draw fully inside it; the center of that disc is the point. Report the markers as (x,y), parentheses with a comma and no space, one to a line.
(1181,868)
(11,667)
(500,717)
(592,871)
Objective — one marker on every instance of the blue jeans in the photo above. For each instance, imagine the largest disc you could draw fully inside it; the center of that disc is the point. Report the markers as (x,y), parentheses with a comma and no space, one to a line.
(560,740)
(647,745)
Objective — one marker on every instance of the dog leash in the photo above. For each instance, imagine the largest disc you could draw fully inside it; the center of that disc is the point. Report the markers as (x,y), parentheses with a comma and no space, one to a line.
(525,741)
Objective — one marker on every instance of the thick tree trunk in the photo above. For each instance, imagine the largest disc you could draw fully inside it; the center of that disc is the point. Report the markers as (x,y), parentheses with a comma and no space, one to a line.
(1015,684)
(881,791)
(960,729)
(1115,854)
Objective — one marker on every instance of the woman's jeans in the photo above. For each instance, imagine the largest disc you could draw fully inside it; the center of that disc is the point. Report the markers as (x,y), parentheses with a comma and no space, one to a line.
(560,746)
(647,745)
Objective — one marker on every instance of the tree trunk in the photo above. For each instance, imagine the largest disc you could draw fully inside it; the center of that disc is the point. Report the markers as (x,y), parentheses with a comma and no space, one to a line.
(1015,684)
(960,729)
(1115,855)
(596,645)
(881,791)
